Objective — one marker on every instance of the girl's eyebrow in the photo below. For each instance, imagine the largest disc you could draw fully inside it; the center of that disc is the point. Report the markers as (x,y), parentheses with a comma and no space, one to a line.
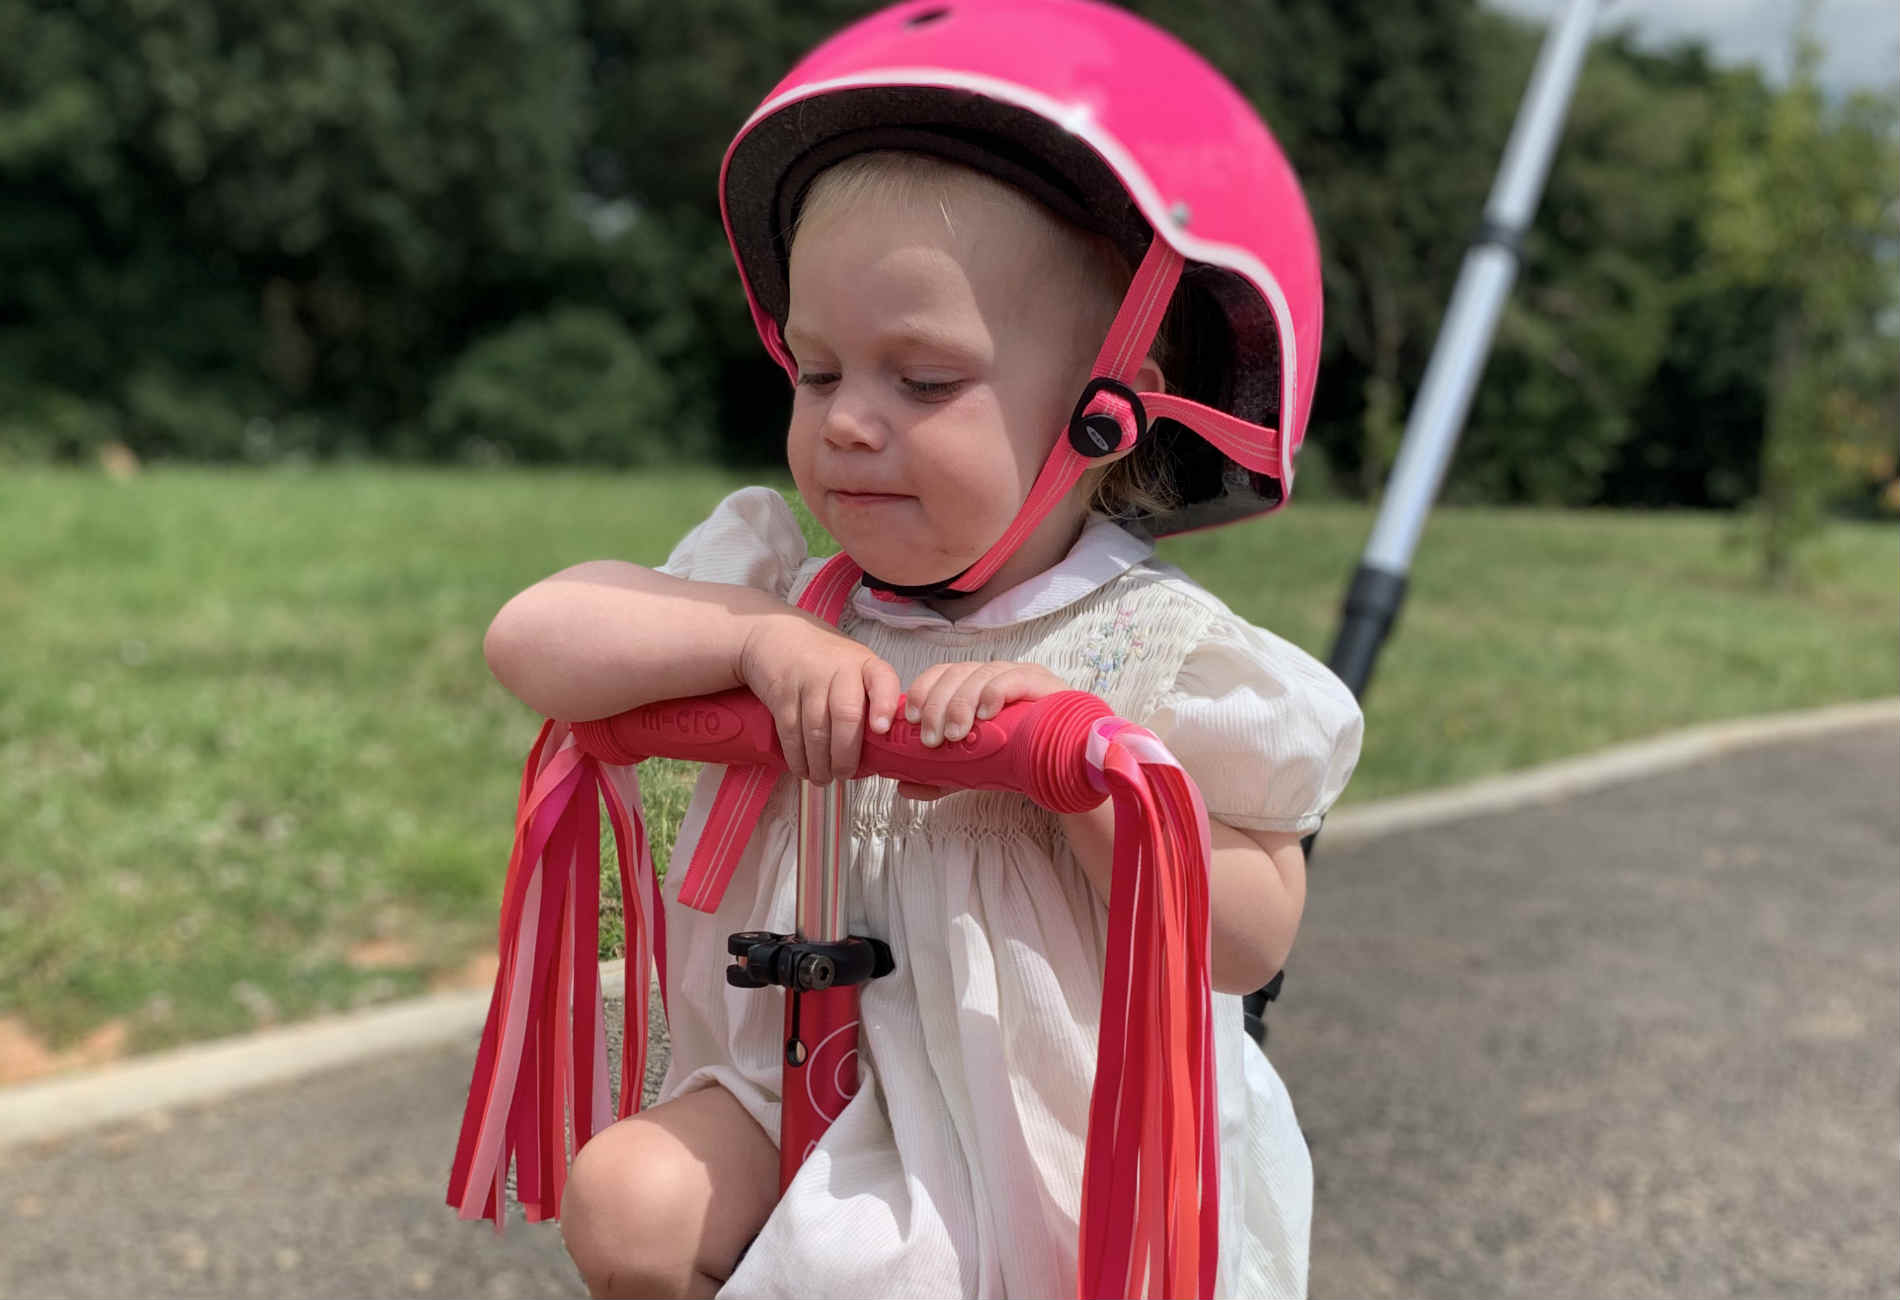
(931,338)
(909,334)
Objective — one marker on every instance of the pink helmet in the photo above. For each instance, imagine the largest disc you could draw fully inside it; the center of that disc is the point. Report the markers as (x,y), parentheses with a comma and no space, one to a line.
(1121,129)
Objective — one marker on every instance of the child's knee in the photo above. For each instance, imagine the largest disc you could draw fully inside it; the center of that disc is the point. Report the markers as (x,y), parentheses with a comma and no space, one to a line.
(631,1216)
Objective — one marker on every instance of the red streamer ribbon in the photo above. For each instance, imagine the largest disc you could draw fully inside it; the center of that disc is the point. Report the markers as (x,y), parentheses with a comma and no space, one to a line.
(543,1055)
(1151,1173)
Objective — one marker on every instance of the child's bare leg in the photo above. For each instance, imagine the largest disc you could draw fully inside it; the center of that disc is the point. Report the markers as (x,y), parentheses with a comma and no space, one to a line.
(662,1203)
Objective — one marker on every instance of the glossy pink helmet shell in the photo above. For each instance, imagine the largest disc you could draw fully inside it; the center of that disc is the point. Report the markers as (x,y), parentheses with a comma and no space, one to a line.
(1112,123)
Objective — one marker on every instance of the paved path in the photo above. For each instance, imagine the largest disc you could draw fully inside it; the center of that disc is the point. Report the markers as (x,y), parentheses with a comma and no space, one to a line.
(1641,1042)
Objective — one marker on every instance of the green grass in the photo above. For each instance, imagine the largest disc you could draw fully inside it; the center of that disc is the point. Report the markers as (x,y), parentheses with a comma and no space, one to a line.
(1528,635)
(245,725)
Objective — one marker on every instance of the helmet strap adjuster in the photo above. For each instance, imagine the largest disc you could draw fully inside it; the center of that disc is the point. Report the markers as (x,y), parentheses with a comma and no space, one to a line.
(1107,417)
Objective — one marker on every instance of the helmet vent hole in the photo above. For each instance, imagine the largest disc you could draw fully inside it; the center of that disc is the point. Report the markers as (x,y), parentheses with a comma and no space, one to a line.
(925,17)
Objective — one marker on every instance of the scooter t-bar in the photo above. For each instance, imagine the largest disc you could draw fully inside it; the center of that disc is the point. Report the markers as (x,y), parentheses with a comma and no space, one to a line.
(1150,1199)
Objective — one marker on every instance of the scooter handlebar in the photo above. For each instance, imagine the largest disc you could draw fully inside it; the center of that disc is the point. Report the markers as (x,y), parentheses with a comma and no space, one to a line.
(1036,747)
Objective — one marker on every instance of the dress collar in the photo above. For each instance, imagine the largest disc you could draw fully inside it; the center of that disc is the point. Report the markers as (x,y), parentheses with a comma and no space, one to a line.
(1103,552)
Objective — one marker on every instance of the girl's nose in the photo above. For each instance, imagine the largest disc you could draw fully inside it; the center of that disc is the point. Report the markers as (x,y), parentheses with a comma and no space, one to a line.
(851,423)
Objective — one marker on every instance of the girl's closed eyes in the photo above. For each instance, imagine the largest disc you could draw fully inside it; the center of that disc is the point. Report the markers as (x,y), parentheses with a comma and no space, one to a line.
(925,390)
(933,390)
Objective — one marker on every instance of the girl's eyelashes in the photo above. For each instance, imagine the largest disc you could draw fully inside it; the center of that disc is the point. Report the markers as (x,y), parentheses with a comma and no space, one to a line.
(923,390)
(932,390)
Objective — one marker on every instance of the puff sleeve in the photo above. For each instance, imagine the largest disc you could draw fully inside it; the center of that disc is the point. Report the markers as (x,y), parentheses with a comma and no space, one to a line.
(1267,731)
(751,539)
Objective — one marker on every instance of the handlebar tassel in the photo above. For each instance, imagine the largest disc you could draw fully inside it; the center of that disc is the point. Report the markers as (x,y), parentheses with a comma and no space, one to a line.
(1151,1173)
(543,1054)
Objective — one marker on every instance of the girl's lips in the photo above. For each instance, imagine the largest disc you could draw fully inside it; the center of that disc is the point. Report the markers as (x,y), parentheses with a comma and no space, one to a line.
(868,498)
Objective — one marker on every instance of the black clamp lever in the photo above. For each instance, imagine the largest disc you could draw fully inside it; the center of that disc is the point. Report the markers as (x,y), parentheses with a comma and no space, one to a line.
(804,965)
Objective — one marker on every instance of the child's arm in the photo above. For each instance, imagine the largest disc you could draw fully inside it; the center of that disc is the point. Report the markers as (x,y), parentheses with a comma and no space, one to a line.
(1256,879)
(1256,893)
(606,636)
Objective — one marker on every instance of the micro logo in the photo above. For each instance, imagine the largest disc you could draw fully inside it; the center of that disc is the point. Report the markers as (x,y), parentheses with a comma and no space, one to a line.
(700,722)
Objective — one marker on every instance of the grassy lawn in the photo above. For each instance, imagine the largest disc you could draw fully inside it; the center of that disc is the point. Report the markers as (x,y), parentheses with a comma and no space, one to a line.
(252,766)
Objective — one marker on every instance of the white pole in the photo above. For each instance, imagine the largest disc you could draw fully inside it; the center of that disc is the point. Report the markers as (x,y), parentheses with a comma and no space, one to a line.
(1464,341)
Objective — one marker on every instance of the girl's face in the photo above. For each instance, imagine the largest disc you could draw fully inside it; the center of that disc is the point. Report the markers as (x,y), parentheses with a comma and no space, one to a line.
(939,353)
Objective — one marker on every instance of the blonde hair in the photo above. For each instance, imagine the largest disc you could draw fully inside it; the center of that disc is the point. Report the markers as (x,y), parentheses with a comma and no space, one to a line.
(1139,484)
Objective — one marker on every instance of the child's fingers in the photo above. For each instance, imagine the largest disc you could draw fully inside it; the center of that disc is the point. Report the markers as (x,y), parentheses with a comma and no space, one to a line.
(959,706)
(814,738)
(930,697)
(882,691)
(1016,682)
(994,695)
(983,693)
(920,689)
(788,718)
(846,726)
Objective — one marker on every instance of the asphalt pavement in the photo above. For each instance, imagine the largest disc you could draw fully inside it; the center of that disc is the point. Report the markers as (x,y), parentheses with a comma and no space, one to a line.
(1641,1041)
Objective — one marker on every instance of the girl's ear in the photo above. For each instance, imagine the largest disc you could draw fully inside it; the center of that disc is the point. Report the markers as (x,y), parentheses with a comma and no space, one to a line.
(1149,379)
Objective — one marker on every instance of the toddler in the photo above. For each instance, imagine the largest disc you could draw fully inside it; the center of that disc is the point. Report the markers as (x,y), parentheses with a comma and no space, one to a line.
(939,217)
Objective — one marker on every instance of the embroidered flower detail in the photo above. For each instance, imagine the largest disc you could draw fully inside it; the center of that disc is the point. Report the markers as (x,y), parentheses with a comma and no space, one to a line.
(1115,645)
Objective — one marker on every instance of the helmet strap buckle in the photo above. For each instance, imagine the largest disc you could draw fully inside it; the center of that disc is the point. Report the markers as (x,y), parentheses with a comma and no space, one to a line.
(1108,417)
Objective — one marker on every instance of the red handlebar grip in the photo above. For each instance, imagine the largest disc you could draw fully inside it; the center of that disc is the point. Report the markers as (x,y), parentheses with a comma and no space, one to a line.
(1037,747)
(730,727)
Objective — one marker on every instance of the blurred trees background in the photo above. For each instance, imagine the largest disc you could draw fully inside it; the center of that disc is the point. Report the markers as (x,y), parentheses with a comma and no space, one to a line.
(487,231)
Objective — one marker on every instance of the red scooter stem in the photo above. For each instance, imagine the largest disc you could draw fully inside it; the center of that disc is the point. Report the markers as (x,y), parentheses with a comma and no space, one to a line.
(1036,747)
(819,1072)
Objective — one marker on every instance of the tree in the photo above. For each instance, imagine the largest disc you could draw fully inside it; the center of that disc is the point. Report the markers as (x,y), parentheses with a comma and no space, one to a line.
(1590,317)
(215,212)
(1807,194)
(671,85)
(1380,107)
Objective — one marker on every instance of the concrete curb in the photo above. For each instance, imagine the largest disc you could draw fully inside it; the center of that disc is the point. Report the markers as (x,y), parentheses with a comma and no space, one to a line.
(1568,777)
(52,1108)
(204,1072)
(188,1076)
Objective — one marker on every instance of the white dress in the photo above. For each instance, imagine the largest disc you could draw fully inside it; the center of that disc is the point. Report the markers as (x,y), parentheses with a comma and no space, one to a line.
(957,1168)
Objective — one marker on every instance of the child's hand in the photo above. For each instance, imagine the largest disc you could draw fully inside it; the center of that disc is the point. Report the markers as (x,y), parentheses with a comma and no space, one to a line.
(823,690)
(947,698)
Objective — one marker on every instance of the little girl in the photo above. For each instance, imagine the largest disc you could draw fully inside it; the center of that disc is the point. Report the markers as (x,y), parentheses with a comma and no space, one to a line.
(936,217)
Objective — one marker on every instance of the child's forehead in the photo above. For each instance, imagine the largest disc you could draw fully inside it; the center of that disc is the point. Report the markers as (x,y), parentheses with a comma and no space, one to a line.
(936,249)
(912,214)
(974,215)
(910,277)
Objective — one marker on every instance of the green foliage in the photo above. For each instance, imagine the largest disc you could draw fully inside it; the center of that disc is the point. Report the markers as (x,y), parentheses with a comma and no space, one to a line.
(570,386)
(39,423)
(1589,318)
(1380,107)
(260,230)
(671,84)
(307,206)
(1806,201)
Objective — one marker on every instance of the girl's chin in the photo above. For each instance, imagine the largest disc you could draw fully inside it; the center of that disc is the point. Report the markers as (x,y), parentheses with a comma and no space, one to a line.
(890,545)
(878,558)
(900,575)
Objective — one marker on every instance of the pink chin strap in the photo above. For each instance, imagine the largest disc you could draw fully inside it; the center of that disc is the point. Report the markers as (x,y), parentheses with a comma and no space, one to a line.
(1109,417)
